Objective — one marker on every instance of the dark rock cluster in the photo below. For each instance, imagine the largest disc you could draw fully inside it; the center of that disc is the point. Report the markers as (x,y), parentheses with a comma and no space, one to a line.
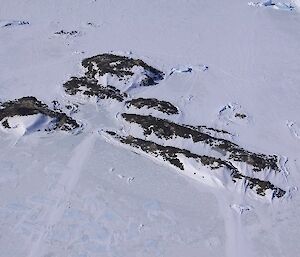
(69,33)
(26,106)
(165,129)
(120,66)
(90,87)
(172,155)
(123,68)
(162,106)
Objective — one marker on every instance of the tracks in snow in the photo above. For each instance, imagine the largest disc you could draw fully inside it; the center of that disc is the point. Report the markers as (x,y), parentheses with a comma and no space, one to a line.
(62,193)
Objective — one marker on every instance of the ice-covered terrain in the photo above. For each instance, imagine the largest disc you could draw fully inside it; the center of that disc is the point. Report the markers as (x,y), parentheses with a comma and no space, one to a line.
(149,128)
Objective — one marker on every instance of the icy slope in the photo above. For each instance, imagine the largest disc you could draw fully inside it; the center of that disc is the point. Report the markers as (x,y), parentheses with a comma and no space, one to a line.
(213,90)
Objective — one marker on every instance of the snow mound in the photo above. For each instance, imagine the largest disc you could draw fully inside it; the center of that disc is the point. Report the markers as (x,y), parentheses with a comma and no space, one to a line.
(27,115)
(24,125)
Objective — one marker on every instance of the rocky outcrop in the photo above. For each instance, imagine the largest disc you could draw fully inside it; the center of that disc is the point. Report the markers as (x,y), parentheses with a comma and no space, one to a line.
(153,103)
(27,106)
(90,87)
(175,156)
(165,129)
(123,70)
(120,66)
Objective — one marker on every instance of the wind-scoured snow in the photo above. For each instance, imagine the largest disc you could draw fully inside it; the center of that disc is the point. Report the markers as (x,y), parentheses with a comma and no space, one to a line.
(149,128)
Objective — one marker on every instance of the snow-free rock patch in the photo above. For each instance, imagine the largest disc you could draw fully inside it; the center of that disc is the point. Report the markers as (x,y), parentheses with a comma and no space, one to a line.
(168,130)
(91,88)
(153,103)
(189,162)
(110,76)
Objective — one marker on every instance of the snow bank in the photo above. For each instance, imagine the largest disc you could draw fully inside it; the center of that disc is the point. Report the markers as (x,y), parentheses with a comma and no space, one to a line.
(22,125)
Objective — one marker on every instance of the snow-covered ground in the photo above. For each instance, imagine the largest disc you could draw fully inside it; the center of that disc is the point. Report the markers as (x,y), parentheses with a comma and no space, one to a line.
(73,189)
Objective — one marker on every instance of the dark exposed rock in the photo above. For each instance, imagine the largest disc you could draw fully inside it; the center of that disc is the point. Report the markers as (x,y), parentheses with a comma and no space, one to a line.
(121,66)
(240,115)
(169,153)
(166,129)
(29,106)
(156,104)
(72,108)
(56,105)
(172,155)
(6,124)
(70,33)
(14,23)
(261,186)
(90,87)
(208,130)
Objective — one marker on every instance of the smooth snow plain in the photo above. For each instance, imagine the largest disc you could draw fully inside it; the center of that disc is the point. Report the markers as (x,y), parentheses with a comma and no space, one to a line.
(78,195)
